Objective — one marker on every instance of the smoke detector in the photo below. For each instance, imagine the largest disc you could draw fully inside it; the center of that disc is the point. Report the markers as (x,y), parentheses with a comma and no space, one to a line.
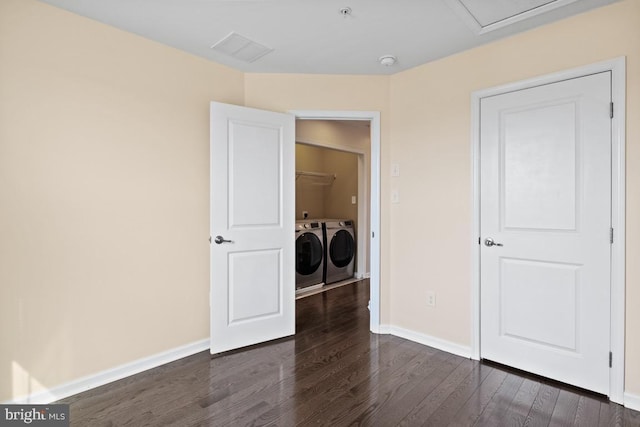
(387,60)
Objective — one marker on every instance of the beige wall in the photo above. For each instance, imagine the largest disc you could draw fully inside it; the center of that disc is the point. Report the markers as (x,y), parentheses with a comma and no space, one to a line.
(337,198)
(430,129)
(104,166)
(348,135)
(104,172)
(309,195)
(332,199)
(341,135)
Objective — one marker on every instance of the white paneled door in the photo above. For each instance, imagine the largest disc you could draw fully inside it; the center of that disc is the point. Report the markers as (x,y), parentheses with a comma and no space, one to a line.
(252,226)
(545,230)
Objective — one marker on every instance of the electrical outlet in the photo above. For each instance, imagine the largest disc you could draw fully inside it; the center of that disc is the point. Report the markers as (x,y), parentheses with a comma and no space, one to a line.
(431,299)
(353,200)
(305,214)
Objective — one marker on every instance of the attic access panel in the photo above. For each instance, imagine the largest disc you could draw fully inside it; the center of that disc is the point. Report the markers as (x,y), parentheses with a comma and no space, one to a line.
(487,15)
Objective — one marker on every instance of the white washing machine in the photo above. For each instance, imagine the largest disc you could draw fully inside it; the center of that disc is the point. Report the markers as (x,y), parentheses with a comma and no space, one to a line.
(309,253)
(340,250)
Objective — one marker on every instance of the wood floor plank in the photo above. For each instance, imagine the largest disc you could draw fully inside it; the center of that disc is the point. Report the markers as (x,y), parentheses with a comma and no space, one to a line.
(277,381)
(588,411)
(518,410)
(320,396)
(434,371)
(543,406)
(611,415)
(253,384)
(478,401)
(564,413)
(385,370)
(160,400)
(307,361)
(394,389)
(631,418)
(432,401)
(456,400)
(493,413)
(305,383)
(335,372)
(305,405)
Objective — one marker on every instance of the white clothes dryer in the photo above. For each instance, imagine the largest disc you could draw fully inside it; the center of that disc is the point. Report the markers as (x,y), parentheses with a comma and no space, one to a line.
(340,246)
(309,253)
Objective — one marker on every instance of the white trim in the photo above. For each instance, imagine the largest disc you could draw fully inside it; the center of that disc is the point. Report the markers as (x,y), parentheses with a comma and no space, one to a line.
(385,329)
(618,222)
(475,226)
(330,145)
(107,376)
(470,20)
(617,67)
(374,211)
(428,340)
(632,401)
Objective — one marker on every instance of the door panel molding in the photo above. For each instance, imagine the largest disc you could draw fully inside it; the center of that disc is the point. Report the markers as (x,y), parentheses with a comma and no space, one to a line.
(617,67)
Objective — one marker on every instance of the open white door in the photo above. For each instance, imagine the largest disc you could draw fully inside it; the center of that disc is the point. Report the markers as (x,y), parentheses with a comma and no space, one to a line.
(545,222)
(252,226)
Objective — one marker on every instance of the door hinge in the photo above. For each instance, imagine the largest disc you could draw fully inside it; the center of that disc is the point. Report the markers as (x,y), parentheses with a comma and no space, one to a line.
(479,240)
(373,235)
(610,359)
(611,110)
(611,235)
(209,239)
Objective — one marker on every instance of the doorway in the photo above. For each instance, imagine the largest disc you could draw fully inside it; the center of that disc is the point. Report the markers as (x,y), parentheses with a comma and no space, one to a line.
(332,177)
(242,140)
(368,197)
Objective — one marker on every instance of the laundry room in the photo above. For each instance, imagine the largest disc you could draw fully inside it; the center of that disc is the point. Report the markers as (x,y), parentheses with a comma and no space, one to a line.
(332,197)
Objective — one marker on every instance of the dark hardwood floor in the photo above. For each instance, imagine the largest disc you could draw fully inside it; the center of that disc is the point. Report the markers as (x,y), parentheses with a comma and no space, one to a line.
(335,373)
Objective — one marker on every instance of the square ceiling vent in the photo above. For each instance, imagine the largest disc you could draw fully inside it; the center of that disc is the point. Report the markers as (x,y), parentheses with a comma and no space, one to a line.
(240,47)
(487,15)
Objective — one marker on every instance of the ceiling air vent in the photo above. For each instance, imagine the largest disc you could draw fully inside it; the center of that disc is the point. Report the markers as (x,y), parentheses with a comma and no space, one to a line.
(240,47)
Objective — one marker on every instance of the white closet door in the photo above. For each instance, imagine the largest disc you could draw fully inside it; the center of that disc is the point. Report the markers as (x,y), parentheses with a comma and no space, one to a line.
(546,203)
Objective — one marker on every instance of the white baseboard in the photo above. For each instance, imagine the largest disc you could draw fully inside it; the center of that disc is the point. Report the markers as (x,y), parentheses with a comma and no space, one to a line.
(384,329)
(632,401)
(110,375)
(440,344)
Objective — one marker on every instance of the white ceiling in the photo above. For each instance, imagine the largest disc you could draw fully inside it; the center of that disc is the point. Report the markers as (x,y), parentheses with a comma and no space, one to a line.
(312,36)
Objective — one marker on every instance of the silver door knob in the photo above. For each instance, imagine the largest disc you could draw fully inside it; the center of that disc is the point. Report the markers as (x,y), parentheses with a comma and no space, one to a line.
(489,242)
(220,240)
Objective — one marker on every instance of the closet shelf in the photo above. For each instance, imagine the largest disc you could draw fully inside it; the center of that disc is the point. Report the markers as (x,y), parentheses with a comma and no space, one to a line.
(316,178)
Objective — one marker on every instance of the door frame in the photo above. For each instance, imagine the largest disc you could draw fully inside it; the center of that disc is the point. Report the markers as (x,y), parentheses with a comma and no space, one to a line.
(373,117)
(617,66)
